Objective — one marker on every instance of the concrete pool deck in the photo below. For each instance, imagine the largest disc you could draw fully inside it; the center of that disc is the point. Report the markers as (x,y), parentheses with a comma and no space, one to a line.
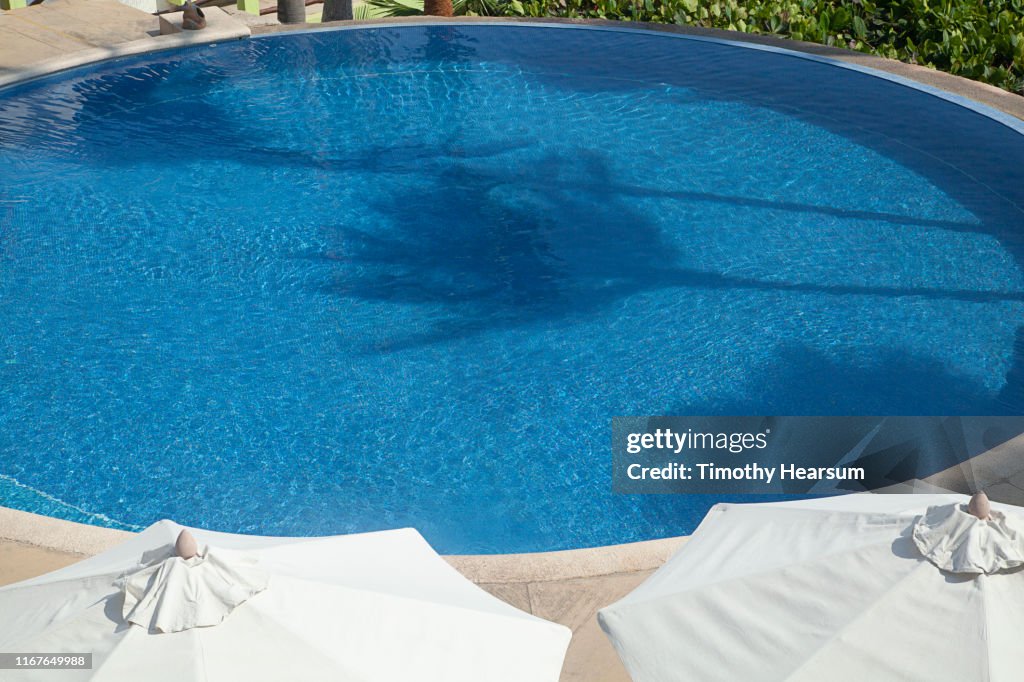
(62,34)
(565,587)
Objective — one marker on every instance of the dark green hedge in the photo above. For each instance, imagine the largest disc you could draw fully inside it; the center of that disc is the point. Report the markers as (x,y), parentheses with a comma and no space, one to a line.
(979,39)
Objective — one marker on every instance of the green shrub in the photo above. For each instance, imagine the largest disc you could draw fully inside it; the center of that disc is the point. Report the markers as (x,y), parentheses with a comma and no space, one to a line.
(979,39)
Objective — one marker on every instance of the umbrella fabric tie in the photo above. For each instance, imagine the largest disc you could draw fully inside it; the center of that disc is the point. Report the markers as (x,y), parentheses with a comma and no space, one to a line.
(958,541)
(179,594)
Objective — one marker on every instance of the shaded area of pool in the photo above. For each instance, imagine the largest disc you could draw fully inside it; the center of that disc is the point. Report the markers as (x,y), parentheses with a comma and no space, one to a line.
(340,281)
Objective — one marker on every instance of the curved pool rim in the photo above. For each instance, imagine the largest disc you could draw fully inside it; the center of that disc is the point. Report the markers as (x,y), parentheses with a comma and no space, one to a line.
(754,42)
(713,36)
(972,94)
(81,540)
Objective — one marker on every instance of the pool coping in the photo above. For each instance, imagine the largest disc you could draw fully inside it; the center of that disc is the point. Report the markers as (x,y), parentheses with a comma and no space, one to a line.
(221,29)
(956,89)
(1002,106)
(83,540)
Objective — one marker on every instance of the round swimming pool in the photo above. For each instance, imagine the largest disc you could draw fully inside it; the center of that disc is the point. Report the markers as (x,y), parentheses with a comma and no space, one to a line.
(347,280)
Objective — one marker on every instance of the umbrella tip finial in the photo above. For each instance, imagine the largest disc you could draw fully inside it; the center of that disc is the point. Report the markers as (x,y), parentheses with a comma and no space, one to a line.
(186,546)
(979,505)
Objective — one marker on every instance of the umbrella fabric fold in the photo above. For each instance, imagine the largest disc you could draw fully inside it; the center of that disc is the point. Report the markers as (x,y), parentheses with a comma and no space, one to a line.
(831,589)
(955,540)
(371,607)
(177,594)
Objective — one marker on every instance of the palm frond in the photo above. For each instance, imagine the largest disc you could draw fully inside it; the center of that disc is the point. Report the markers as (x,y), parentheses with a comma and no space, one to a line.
(389,8)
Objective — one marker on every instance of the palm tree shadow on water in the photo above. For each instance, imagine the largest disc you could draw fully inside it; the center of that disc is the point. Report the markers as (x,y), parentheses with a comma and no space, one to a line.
(564,238)
(492,252)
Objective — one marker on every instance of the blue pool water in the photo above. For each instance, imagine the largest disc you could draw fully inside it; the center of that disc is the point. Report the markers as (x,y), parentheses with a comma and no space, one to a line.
(340,281)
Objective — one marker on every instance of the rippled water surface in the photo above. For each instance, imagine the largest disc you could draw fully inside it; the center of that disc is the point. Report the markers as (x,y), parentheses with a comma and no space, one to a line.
(351,280)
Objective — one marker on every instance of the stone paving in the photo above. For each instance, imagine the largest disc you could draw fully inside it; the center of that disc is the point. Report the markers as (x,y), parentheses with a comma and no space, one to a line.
(574,603)
(998,472)
(58,27)
(61,34)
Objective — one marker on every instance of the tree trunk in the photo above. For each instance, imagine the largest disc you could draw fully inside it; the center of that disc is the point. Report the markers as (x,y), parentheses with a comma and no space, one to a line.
(337,10)
(291,11)
(438,8)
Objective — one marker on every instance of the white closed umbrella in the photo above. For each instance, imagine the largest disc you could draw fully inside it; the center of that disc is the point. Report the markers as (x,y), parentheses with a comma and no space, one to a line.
(861,587)
(374,607)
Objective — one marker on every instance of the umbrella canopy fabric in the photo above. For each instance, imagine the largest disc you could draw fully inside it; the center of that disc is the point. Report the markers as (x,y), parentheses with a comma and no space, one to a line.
(835,589)
(358,608)
(173,594)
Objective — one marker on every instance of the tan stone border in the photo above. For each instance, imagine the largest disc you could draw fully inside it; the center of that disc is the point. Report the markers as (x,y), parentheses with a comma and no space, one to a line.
(68,537)
(217,32)
(988,95)
(46,532)
(566,565)
(983,93)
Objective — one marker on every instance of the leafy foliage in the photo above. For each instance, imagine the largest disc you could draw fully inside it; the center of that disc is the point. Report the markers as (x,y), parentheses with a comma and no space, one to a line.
(405,8)
(979,39)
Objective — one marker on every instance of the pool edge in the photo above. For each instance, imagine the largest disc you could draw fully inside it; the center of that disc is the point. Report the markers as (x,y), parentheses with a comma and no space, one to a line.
(956,89)
(94,55)
(1008,107)
(82,540)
